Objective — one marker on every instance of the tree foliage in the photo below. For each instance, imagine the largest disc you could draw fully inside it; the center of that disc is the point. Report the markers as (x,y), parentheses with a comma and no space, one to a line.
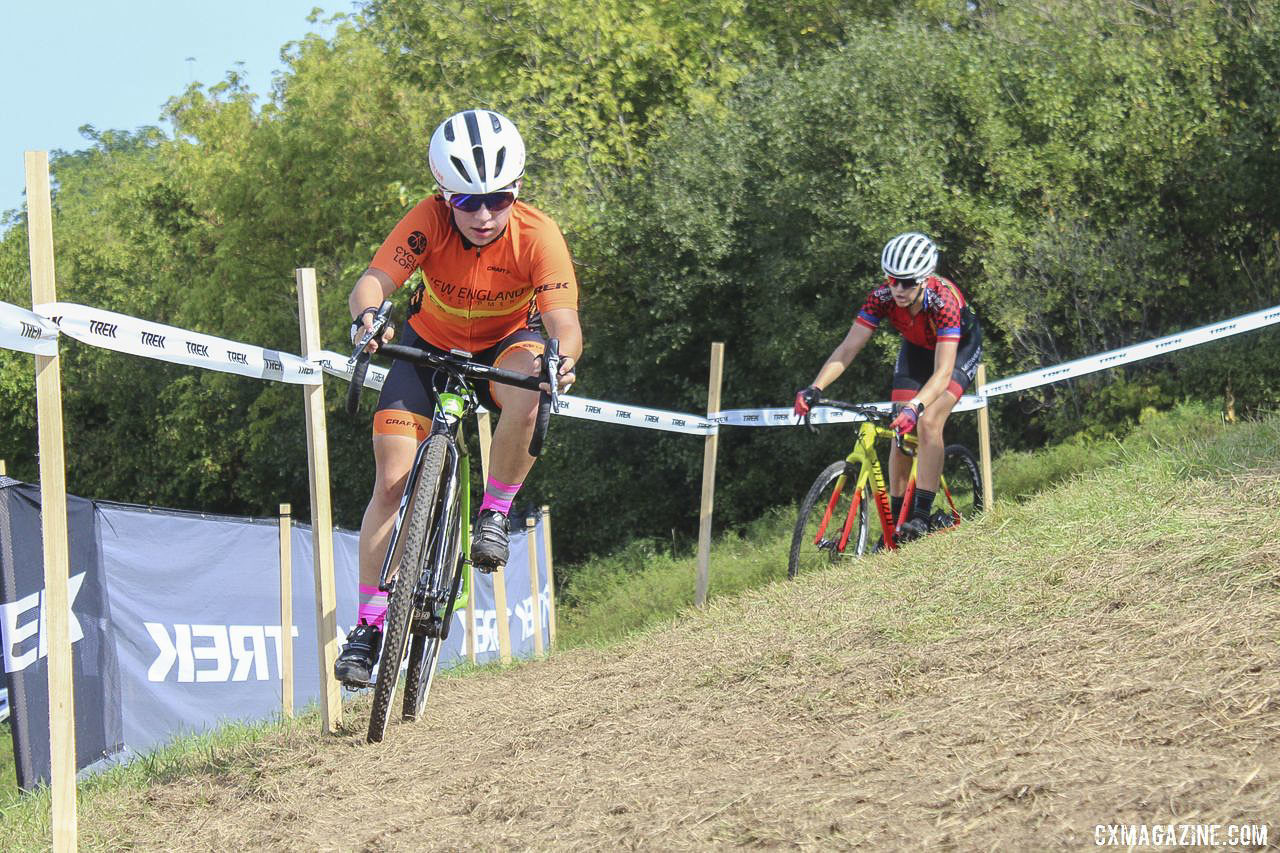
(1097,172)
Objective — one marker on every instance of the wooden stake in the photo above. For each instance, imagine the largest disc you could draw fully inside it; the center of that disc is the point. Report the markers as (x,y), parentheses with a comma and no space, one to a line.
(286,610)
(485,434)
(709,478)
(321,509)
(531,548)
(551,578)
(500,604)
(984,443)
(53,517)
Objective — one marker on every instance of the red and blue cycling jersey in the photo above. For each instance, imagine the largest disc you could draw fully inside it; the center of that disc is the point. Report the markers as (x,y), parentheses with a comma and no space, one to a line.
(945,316)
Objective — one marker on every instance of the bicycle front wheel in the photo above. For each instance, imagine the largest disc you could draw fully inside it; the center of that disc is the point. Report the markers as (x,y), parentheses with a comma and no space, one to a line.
(428,634)
(960,493)
(400,607)
(833,522)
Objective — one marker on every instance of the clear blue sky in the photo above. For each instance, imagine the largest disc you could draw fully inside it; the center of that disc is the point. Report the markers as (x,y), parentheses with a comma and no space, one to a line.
(114,63)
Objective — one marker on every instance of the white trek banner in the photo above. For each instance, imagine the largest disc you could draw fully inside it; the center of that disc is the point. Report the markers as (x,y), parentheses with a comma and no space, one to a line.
(26,332)
(787,417)
(574,407)
(122,333)
(1137,352)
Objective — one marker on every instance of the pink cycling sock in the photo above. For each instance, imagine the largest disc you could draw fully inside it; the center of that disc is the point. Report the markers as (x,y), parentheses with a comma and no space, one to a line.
(499,495)
(373,606)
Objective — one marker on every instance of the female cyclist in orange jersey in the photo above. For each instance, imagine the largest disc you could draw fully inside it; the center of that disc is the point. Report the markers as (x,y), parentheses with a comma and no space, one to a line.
(496,274)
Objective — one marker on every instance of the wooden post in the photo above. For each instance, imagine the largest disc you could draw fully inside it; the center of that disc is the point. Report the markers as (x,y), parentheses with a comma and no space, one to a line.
(286,610)
(53,518)
(709,478)
(531,548)
(485,434)
(984,443)
(321,509)
(3,472)
(551,579)
(500,604)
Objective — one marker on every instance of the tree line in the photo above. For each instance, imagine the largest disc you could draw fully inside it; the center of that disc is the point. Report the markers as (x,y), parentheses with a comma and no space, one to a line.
(1097,172)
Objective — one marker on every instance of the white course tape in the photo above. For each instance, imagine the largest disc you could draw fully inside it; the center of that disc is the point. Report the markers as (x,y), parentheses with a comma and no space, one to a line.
(1137,352)
(639,416)
(574,407)
(336,365)
(823,415)
(24,331)
(122,333)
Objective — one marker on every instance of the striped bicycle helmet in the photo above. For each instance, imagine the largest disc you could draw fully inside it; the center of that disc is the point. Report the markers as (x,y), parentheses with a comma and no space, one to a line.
(909,256)
(476,151)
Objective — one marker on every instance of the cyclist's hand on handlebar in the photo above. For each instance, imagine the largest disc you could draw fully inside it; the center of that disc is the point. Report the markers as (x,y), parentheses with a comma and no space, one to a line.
(363,325)
(906,420)
(806,398)
(564,378)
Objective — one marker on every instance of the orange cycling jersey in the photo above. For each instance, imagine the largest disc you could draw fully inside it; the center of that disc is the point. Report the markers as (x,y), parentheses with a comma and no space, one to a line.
(474,296)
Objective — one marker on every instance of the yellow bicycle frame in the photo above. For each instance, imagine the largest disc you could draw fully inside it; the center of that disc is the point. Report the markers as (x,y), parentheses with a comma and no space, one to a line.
(869,471)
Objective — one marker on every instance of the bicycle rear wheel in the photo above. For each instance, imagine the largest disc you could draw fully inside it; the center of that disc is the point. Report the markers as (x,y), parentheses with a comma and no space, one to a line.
(400,606)
(834,520)
(960,494)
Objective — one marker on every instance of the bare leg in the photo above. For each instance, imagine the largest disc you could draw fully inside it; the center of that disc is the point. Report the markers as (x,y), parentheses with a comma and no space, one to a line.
(929,432)
(393,457)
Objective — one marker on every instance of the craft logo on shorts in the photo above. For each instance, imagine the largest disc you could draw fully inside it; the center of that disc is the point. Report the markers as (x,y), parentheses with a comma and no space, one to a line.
(418,242)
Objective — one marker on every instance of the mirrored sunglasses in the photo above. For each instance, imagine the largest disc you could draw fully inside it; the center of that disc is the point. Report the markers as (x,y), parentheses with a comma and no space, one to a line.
(471,202)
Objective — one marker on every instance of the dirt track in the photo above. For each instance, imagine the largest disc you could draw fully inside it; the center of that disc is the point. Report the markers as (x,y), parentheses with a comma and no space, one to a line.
(1129,689)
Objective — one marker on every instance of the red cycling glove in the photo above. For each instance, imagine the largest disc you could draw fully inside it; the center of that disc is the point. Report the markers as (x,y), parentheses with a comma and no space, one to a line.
(906,420)
(805,398)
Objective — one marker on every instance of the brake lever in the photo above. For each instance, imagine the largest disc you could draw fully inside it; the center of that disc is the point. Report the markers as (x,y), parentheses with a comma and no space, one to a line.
(551,362)
(380,323)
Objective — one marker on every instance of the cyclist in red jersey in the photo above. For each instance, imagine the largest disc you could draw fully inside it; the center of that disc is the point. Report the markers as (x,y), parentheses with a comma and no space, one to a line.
(496,273)
(940,353)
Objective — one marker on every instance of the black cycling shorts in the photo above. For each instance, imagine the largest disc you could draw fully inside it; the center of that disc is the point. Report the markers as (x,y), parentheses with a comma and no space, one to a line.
(405,406)
(915,367)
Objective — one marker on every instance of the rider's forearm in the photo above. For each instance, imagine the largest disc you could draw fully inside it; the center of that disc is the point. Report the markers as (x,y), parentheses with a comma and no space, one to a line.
(842,356)
(562,323)
(369,291)
(944,364)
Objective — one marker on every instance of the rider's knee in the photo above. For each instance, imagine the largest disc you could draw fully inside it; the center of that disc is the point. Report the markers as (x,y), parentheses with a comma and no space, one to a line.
(387,491)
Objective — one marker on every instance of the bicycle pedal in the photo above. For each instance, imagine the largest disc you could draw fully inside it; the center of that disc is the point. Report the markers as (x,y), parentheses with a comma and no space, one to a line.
(357,685)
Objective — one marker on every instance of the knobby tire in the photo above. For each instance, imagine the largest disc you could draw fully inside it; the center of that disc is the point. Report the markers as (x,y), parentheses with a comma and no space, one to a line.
(960,469)
(400,603)
(424,650)
(804,552)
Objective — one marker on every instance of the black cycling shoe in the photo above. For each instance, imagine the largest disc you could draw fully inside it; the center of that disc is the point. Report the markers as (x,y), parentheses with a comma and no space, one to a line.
(911,529)
(489,544)
(878,547)
(940,520)
(354,667)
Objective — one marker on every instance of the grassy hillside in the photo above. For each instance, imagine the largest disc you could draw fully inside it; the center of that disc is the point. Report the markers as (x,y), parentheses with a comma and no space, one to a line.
(1105,651)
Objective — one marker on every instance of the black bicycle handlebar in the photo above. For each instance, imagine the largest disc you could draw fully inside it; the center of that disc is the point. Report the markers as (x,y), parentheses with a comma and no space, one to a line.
(871,413)
(462,365)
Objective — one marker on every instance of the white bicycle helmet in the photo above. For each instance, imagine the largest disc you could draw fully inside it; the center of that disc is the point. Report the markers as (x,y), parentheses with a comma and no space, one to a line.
(909,256)
(476,151)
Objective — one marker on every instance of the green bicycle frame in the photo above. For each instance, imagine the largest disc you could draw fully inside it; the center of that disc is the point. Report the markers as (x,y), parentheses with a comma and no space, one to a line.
(451,410)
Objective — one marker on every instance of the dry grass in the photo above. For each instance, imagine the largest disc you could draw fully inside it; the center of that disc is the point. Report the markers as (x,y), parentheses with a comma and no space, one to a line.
(1062,667)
